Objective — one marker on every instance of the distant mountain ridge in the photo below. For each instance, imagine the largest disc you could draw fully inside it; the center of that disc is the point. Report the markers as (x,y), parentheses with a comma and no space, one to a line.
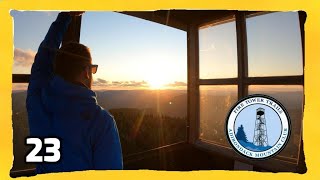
(168,102)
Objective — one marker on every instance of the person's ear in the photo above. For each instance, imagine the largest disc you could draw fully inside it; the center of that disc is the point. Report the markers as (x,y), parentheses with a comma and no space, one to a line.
(87,73)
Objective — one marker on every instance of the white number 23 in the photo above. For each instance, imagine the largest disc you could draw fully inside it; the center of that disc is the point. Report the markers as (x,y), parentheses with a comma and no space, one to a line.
(53,149)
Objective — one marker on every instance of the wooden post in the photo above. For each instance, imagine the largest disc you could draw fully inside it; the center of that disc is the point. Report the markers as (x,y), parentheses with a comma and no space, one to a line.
(193,84)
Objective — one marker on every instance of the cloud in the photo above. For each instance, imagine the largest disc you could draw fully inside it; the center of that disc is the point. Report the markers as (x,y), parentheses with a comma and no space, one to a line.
(116,82)
(135,84)
(102,82)
(129,83)
(23,58)
(177,83)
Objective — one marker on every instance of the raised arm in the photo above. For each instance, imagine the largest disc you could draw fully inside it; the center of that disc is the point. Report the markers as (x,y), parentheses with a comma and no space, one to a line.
(42,68)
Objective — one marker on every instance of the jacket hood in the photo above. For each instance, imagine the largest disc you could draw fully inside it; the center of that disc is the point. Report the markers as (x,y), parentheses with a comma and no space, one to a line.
(60,96)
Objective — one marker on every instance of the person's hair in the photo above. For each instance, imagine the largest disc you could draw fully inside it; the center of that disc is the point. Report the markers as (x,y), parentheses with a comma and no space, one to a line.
(71,60)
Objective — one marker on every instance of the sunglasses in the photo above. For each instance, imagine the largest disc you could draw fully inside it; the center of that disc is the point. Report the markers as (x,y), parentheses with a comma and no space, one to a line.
(94,68)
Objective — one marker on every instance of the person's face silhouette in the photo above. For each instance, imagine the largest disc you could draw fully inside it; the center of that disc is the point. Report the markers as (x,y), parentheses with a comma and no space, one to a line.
(86,76)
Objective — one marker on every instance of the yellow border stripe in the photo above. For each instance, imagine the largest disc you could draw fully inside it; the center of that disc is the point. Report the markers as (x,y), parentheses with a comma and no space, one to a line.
(312,77)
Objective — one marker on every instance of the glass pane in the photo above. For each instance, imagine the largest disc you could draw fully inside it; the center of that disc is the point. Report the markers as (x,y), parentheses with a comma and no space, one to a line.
(141,79)
(274,42)
(20,126)
(218,51)
(30,27)
(215,103)
(291,96)
(147,119)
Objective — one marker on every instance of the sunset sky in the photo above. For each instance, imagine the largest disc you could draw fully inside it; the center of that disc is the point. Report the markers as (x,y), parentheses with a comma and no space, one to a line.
(134,53)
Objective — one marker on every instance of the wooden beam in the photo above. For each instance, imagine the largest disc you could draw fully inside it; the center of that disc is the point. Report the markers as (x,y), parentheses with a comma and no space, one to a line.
(213,21)
(152,16)
(242,52)
(229,81)
(302,20)
(281,80)
(274,80)
(127,159)
(20,78)
(74,29)
(24,172)
(193,85)
(274,164)
(301,163)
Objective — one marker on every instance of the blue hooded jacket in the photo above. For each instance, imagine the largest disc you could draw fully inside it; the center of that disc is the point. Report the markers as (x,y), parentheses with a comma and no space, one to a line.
(56,108)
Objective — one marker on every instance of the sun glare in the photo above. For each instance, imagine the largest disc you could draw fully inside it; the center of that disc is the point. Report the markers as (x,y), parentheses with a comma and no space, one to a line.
(156,84)
(157,80)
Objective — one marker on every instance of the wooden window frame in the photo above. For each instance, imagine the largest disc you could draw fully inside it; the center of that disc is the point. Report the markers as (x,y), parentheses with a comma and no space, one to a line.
(242,81)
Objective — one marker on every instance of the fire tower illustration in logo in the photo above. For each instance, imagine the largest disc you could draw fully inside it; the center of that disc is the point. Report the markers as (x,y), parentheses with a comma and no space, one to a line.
(260,137)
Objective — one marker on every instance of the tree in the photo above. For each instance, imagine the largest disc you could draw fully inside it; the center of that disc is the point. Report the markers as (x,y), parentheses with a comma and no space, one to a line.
(241,135)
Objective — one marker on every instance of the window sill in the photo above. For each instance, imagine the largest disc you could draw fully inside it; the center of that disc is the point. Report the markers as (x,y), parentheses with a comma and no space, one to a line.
(275,164)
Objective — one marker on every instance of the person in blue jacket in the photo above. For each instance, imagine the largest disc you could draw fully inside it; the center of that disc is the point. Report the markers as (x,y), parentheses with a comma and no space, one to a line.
(60,103)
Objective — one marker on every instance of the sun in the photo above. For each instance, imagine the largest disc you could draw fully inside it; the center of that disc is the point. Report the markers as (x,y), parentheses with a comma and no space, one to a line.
(156,84)
(158,75)
(157,81)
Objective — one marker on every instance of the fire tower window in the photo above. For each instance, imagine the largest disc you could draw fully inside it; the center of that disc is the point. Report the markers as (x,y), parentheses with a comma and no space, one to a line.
(249,54)
(141,79)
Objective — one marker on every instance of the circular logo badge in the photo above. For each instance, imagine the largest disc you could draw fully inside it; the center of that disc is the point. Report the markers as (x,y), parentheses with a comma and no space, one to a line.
(258,127)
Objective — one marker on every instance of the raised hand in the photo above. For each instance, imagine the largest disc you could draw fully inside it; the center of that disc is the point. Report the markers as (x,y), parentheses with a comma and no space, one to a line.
(76,13)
